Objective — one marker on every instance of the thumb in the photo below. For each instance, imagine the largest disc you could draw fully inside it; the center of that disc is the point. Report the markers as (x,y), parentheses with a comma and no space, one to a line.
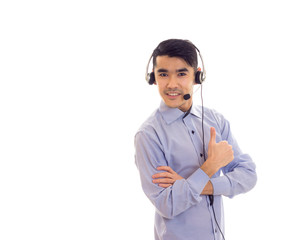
(213,135)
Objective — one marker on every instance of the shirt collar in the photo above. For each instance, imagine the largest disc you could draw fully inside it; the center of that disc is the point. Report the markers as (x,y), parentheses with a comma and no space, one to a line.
(172,114)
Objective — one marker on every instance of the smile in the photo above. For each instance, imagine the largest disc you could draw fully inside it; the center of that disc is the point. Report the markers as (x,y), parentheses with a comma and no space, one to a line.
(173,94)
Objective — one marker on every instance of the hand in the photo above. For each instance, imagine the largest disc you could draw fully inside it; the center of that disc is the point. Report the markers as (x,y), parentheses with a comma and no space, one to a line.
(219,155)
(166,179)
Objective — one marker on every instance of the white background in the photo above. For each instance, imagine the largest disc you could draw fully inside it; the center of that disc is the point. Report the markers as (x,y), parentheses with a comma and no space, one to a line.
(73,94)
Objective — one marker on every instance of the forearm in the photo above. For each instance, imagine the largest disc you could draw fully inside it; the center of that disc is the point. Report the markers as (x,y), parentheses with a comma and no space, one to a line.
(183,194)
(175,199)
(169,177)
(239,177)
(234,183)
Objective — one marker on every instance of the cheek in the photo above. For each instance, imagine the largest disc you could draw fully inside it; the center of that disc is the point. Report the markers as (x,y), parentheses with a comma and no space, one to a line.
(161,90)
(160,85)
(190,83)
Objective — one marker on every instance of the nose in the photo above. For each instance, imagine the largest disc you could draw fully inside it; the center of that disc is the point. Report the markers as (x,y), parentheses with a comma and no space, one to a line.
(172,83)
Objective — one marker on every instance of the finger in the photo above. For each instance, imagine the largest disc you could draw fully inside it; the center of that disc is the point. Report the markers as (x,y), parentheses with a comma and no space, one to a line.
(213,135)
(165,168)
(162,175)
(164,180)
(165,185)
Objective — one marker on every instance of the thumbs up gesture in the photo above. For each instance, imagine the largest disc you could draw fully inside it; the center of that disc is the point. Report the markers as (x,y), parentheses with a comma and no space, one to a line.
(219,155)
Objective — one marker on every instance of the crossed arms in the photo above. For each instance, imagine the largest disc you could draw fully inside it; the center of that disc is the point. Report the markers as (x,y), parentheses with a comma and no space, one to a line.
(219,155)
(171,194)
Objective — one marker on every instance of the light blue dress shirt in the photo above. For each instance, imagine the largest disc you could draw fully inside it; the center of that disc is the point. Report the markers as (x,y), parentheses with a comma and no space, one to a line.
(168,139)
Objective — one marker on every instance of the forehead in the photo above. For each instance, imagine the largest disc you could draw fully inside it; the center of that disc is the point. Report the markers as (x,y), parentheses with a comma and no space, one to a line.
(171,63)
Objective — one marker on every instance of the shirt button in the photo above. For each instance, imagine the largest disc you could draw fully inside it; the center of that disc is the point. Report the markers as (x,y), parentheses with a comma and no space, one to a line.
(193,132)
(216,230)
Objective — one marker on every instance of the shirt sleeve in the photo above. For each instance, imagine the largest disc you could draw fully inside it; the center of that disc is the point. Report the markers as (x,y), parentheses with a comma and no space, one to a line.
(239,176)
(172,201)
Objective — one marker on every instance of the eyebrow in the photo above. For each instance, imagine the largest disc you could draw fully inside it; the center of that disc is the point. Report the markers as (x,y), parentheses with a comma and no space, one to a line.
(178,70)
(162,70)
(182,70)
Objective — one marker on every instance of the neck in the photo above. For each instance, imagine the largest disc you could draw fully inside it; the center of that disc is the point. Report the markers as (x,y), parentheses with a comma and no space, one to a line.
(187,112)
(186,106)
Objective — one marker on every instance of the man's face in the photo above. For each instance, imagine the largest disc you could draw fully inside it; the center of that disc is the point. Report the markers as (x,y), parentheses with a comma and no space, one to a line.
(174,78)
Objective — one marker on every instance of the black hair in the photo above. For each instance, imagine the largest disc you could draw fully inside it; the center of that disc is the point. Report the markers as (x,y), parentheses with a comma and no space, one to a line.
(177,48)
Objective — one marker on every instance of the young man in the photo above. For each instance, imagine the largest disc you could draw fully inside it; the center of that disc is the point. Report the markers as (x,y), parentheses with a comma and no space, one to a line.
(180,154)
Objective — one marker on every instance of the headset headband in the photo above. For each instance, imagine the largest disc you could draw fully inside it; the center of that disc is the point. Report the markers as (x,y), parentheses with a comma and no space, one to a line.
(200,74)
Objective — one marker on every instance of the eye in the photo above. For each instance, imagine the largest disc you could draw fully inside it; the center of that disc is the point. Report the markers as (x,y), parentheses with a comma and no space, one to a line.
(181,74)
(163,75)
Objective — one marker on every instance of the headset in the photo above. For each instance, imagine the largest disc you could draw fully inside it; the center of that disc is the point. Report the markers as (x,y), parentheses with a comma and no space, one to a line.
(200,77)
(200,74)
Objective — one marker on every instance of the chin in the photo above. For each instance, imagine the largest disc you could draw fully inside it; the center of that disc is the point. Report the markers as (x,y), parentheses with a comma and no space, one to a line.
(173,104)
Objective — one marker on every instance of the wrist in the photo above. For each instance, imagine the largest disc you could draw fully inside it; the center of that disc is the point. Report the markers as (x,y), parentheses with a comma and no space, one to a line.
(208,190)
(209,168)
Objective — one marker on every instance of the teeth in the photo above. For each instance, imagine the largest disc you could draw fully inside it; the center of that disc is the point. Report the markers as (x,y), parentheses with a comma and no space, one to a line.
(173,94)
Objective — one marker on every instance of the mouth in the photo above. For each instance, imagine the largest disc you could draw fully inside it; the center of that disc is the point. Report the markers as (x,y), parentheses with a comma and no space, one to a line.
(173,95)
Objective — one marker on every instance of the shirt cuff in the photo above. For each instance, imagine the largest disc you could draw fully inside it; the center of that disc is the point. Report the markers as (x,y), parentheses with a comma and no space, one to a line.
(221,185)
(198,180)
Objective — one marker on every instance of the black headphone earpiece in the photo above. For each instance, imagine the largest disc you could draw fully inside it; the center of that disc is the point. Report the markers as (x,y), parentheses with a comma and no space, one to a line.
(151,78)
(199,77)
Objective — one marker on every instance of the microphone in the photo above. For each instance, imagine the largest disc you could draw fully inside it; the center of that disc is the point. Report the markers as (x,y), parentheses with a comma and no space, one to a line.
(187,96)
